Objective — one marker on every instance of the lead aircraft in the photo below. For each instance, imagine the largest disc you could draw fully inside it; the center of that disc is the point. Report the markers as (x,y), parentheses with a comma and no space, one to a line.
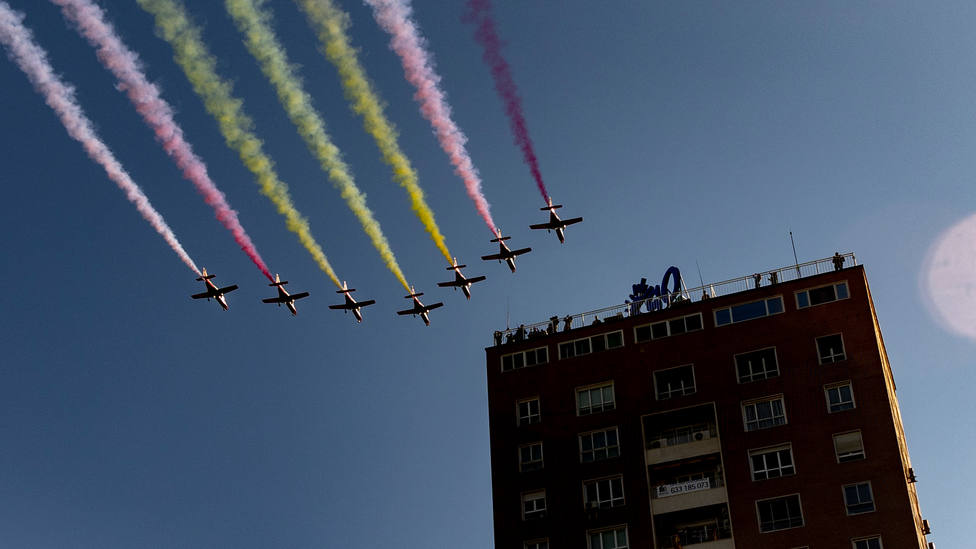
(212,290)
(503,252)
(461,281)
(418,307)
(284,296)
(555,224)
(351,304)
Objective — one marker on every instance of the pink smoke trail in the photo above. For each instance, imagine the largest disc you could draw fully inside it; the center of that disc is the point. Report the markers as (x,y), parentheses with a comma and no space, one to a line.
(32,59)
(479,12)
(145,96)
(395,18)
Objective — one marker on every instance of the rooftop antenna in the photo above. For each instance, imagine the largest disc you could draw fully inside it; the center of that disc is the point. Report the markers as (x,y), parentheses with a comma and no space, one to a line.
(507,327)
(795,260)
(700,279)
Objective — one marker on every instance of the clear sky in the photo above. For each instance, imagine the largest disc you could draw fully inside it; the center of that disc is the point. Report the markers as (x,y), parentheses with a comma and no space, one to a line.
(133,416)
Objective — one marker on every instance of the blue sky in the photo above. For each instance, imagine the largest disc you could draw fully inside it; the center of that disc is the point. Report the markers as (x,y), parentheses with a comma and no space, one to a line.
(132,416)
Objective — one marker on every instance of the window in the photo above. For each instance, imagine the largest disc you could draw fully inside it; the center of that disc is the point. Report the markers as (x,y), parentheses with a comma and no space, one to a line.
(666,328)
(858,498)
(530,457)
(534,505)
(779,513)
(536,544)
(593,344)
(873,542)
(611,538)
(528,411)
(603,493)
(522,359)
(749,311)
(848,447)
(597,398)
(756,365)
(840,396)
(763,414)
(675,382)
(830,349)
(599,445)
(770,463)
(823,294)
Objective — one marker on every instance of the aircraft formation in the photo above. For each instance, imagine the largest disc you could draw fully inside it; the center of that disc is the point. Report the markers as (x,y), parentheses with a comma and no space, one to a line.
(330,25)
(418,308)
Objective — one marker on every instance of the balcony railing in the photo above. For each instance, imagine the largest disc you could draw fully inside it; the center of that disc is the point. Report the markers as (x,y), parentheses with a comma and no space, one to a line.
(713,479)
(681,435)
(717,289)
(693,535)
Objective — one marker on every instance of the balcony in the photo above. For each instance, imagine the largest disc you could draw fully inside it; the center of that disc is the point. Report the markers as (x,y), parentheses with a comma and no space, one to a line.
(678,496)
(682,443)
(702,528)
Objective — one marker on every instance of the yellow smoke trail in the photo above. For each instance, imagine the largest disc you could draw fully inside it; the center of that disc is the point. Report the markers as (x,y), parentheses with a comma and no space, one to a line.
(199,66)
(260,40)
(330,24)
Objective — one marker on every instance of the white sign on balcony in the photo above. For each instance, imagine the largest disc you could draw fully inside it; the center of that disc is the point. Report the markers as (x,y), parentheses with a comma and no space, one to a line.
(666,490)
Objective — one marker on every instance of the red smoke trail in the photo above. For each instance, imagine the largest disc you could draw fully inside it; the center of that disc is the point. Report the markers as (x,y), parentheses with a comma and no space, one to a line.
(31,59)
(394,17)
(479,12)
(125,65)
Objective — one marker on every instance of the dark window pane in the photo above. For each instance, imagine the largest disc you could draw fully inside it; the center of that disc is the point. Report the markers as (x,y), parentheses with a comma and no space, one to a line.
(747,311)
(615,339)
(802,300)
(599,343)
(677,326)
(822,295)
(775,305)
(642,333)
(693,322)
(723,317)
(659,329)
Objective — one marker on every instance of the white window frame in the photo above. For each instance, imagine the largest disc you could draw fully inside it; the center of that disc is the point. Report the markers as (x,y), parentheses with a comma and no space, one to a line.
(833,357)
(539,543)
(593,447)
(674,393)
(867,538)
(860,436)
(765,301)
(769,450)
(534,497)
(524,358)
(615,529)
(667,327)
(521,420)
(613,500)
(603,406)
(589,344)
(834,285)
(799,502)
(541,461)
(767,373)
(758,421)
(831,386)
(857,485)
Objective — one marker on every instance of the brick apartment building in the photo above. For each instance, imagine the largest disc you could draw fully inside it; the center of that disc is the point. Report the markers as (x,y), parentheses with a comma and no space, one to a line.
(761,415)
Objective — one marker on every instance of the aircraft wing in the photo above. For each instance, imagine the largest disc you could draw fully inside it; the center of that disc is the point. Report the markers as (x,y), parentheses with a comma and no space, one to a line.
(520,252)
(226,289)
(474,279)
(432,306)
(203,295)
(299,295)
(451,283)
(343,306)
(275,300)
(543,226)
(409,311)
(365,303)
(572,221)
(492,256)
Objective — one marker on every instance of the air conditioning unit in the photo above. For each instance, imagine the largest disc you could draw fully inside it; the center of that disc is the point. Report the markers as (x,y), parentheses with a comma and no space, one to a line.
(701,435)
(659,443)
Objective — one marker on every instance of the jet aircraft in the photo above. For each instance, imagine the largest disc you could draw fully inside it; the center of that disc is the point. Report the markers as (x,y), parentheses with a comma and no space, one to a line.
(461,281)
(284,296)
(351,304)
(418,307)
(556,224)
(212,290)
(503,252)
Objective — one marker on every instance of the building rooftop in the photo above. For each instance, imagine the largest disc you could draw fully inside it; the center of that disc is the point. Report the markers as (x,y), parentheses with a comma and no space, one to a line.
(649,297)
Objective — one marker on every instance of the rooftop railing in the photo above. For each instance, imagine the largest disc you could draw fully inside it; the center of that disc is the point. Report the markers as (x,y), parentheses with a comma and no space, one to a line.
(717,289)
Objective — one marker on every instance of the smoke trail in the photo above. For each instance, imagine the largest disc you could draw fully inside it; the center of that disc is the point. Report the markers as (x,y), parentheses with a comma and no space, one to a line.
(125,65)
(264,46)
(200,68)
(479,12)
(330,23)
(394,17)
(32,59)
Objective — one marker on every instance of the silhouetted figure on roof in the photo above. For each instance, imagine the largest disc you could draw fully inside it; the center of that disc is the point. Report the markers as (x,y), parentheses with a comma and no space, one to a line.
(567,323)
(838,261)
(773,277)
(498,337)
(553,324)
(758,278)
